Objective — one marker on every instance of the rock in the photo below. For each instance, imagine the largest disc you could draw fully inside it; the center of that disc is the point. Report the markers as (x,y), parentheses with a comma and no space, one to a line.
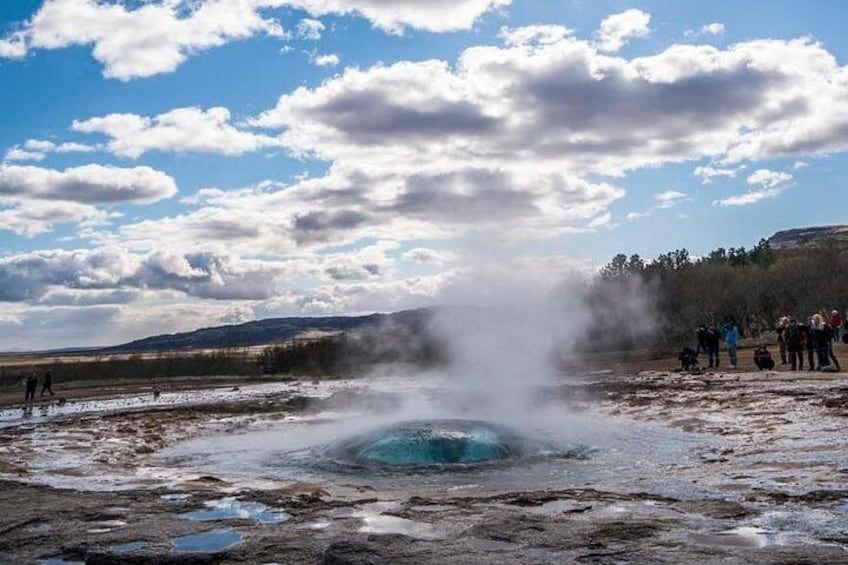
(352,553)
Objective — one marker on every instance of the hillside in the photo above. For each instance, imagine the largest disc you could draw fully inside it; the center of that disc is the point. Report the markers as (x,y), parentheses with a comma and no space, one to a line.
(807,237)
(263,332)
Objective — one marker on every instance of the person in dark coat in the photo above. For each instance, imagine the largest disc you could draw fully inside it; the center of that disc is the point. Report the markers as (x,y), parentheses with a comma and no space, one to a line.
(713,341)
(762,359)
(834,362)
(795,345)
(47,386)
(808,342)
(31,385)
(701,333)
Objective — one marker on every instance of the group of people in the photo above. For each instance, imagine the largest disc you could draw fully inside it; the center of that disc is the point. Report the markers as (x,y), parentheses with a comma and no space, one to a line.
(815,337)
(710,338)
(32,385)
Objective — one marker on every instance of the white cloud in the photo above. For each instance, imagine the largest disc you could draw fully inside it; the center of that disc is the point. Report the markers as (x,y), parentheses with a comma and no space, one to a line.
(38,149)
(310,29)
(18,154)
(183,129)
(73,147)
(29,217)
(714,28)
(534,34)
(157,36)
(88,184)
(636,215)
(431,256)
(670,198)
(31,276)
(708,173)
(13,47)
(32,199)
(618,29)
(326,60)
(800,165)
(769,179)
(751,197)
(396,15)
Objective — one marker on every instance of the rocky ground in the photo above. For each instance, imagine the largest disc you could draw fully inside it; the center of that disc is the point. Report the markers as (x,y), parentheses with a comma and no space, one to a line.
(773,492)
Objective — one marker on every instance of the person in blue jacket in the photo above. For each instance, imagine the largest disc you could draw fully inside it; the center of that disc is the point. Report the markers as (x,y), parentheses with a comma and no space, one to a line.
(731,340)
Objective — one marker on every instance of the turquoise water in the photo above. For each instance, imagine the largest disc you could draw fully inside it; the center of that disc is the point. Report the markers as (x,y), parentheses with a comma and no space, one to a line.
(216,540)
(435,443)
(424,443)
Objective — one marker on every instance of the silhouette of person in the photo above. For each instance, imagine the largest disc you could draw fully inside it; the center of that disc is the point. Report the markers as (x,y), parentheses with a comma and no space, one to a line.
(31,385)
(47,386)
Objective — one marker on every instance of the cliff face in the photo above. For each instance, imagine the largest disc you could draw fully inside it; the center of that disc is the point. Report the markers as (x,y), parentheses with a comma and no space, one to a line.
(804,237)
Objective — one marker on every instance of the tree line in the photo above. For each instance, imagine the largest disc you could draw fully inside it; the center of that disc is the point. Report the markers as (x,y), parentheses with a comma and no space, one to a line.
(753,286)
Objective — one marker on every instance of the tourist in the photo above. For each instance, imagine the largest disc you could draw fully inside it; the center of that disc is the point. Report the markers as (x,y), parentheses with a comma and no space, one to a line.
(795,345)
(731,340)
(833,362)
(807,342)
(817,341)
(781,337)
(47,386)
(701,333)
(835,323)
(31,385)
(713,340)
(762,358)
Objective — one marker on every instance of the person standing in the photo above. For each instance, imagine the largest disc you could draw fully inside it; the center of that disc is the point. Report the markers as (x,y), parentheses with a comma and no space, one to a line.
(47,386)
(31,385)
(807,342)
(713,340)
(781,338)
(817,342)
(702,339)
(794,345)
(835,323)
(829,356)
(731,340)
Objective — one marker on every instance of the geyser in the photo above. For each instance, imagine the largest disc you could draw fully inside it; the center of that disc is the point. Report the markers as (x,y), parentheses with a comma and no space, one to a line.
(434,443)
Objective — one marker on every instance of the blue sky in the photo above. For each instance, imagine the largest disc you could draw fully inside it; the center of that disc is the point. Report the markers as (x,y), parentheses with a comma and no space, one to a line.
(170,164)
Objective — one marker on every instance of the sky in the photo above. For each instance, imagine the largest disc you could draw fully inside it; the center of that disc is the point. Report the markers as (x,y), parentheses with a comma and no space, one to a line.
(173,164)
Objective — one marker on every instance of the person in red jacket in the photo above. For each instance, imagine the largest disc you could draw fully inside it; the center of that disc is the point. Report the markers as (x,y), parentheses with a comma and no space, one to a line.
(836,324)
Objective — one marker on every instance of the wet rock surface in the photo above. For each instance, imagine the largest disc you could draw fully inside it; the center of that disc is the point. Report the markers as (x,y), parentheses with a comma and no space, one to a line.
(768,490)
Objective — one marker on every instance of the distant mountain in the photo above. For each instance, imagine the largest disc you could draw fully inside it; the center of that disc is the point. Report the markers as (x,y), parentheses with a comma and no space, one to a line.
(269,331)
(805,237)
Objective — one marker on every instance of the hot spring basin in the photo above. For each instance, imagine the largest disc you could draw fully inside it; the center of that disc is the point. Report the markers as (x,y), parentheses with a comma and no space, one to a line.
(427,443)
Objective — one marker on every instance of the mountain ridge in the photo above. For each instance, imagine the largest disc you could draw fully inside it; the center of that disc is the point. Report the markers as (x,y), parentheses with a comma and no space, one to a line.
(267,331)
(809,236)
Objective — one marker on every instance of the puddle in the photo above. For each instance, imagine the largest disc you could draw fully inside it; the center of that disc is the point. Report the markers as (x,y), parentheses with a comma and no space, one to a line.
(375,522)
(749,536)
(558,507)
(129,547)
(231,508)
(208,542)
